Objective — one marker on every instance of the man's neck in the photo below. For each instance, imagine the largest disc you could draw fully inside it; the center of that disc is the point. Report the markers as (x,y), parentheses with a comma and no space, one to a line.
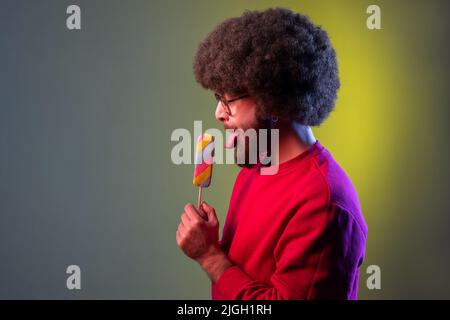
(294,140)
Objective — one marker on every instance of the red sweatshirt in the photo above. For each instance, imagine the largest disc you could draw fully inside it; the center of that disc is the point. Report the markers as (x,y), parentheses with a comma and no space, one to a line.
(298,234)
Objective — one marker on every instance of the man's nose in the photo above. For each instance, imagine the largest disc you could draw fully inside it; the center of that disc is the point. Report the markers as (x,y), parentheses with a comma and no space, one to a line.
(220,114)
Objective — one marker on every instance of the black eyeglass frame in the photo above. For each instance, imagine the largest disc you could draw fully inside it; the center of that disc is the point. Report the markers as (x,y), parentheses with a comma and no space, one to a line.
(226,103)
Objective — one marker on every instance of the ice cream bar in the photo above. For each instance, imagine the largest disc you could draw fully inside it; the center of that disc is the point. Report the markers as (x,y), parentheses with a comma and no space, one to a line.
(204,157)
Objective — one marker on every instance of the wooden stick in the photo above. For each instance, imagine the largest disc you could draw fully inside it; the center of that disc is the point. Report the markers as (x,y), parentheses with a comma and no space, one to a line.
(202,213)
(199,196)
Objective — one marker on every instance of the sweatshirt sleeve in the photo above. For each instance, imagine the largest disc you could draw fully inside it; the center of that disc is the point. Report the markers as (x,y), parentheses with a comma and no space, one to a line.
(317,257)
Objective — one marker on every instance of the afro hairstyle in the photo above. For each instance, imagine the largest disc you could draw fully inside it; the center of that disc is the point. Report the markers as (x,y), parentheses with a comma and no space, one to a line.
(278,57)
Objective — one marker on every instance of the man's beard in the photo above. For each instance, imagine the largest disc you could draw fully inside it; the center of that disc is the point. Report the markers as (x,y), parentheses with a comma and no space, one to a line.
(242,148)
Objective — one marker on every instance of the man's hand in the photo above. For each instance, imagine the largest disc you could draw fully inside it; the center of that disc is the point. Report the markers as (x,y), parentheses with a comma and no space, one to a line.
(196,236)
(199,239)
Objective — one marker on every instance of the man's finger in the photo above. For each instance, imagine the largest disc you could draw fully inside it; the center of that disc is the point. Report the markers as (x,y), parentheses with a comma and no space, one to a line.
(178,236)
(182,229)
(185,219)
(193,213)
(202,213)
(210,212)
(189,208)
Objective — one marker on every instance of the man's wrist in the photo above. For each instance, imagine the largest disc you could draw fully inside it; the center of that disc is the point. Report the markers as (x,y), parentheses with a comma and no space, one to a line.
(215,262)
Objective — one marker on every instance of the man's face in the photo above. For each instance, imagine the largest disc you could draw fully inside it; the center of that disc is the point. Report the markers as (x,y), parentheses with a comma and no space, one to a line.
(240,114)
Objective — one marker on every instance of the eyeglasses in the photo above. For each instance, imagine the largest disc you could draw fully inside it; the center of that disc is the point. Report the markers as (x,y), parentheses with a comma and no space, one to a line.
(226,103)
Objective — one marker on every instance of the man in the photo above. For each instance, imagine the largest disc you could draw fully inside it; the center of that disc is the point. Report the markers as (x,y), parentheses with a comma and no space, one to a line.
(297,234)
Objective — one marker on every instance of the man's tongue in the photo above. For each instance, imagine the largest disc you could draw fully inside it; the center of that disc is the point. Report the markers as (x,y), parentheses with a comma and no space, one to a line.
(232,138)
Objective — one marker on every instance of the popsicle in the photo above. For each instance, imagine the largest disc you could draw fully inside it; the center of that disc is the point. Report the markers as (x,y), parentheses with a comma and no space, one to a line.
(204,157)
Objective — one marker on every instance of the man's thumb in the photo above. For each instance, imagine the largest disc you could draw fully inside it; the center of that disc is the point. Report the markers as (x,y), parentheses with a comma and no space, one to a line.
(210,212)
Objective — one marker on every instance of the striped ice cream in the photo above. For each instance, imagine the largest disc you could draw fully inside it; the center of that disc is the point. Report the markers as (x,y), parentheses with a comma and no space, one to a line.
(204,156)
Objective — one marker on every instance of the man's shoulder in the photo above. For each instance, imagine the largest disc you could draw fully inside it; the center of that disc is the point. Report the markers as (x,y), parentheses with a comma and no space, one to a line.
(337,184)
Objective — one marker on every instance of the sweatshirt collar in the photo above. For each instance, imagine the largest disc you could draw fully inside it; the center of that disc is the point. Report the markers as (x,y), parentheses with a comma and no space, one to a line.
(294,162)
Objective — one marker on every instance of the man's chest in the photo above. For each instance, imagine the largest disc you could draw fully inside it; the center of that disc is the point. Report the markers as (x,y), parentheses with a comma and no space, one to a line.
(257,217)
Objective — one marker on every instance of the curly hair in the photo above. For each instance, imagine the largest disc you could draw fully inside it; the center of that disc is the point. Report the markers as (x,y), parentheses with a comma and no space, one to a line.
(280,58)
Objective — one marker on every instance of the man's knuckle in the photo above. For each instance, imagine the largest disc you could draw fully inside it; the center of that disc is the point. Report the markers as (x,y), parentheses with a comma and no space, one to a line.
(195,223)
